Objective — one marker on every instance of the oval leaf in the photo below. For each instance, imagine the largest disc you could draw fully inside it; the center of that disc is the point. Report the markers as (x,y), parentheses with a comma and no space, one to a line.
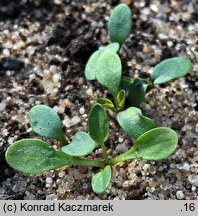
(135,90)
(105,102)
(46,122)
(90,69)
(119,25)
(114,47)
(35,156)
(121,96)
(81,145)
(134,123)
(170,69)
(98,124)
(101,180)
(109,71)
(156,144)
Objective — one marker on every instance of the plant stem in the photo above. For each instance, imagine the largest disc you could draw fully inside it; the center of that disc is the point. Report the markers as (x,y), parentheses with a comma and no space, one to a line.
(115,100)
(62,139)
(115,160)
(67,160)
(150,86)
(89,162)
(93,163)
(117,108)
(104,152)
(129,155)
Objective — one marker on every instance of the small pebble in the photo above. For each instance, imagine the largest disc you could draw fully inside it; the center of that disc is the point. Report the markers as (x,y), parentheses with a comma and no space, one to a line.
(29,196)
(75,120)
(126,184)
(145,49)
(83,169)
(56,78)
(61,174)
(193,188)
(120,148)
(58,2)
(2,106)
(49,180)
(193,179)
(164,186)
(180,195)
(52,197)
(2,192)
(12,64)
(89,92)
(184,166)
(120,139)
(82,110)
(127,2)
(70,179)
(6,52)
(170,43)
(48,185)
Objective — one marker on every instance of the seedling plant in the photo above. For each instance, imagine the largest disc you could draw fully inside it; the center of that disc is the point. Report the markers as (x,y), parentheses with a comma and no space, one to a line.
(150,142)
(105,66)
(36,156)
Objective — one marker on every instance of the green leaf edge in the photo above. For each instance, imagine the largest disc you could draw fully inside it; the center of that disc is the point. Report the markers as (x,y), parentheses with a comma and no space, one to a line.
(115,89)
(90,133)
(154,80)
(109,104)
(115,40)
(94,178)
(90,73)
(59,135)
(132,153)
(67,149)
(59,154)
(139,113)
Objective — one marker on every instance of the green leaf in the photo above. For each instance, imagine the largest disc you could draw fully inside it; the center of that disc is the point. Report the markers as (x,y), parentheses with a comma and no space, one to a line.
(134,123)
(170,69)
(155,144)
(81,145)
(101,180)
(109,71)
(114,47)
(35,156)
(46,122)
(98,124)
(121,96)
(135,90)
(90,69)
(105,102)
(119,25)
